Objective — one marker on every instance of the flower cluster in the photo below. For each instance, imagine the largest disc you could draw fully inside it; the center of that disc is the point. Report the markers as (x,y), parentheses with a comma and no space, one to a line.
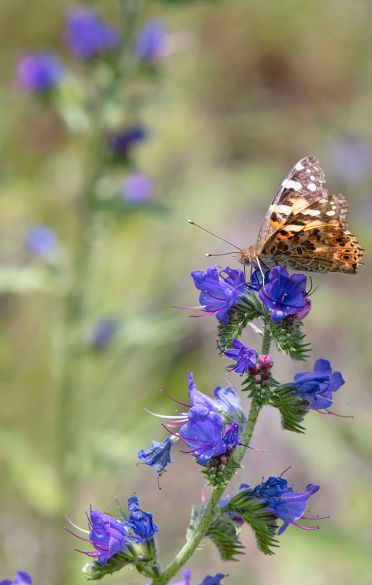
(210,428)
(109,535)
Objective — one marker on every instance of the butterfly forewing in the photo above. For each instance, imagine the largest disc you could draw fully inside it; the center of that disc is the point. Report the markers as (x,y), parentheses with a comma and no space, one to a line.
(305,228)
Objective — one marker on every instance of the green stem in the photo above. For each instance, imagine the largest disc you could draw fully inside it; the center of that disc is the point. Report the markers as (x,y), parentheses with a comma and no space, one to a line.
(266,341)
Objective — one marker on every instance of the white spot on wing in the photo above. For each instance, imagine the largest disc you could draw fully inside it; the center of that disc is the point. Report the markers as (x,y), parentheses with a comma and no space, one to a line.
(331,212)
(299,166)
(294,228)
(289,184)
(286,209)
(311,187)
(313,212)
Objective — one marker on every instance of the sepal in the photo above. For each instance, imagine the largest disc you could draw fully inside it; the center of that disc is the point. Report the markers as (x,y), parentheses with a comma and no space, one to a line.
(254,513)
(289,338)
(218,475)
(291,407)
(248,308)
(96,571)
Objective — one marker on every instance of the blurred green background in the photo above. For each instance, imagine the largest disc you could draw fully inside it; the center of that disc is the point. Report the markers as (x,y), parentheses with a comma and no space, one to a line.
(256,86)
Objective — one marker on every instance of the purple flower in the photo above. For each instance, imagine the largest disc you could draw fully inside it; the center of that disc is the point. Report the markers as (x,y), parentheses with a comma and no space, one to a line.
(121,142)
(244,356)
(284,502)
(149,45)
(203,428)
(317,387)
(42,241)
(227,401)
(87,35)
(284,295)
(21,578)
(186,578)
(351,159)
(220,291)
(107,535)
(103,332)
(140,524)
(40,72)
(158,455)
(137,188)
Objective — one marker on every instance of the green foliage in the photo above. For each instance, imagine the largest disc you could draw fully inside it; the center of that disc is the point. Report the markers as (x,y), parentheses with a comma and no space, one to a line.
(254,513)
(291,408)
(289,338)
(223,532)
(249,308)
(115,563)
(219,475)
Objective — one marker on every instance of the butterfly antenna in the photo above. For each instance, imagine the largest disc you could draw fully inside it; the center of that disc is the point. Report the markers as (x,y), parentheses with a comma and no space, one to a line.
(215,235)
(209,255)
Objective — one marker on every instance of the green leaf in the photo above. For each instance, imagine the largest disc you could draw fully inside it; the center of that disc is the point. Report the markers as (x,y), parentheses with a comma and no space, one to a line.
(289,338)
(223,532)
(249,308)
(254,513)
(291,407)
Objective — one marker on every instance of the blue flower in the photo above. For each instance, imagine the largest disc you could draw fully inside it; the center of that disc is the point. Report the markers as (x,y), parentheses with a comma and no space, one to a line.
(42,241)
(227,401)
(140,524)
(284,502)
(284,295)
(87,35)
(107,535)
(158,456)
(317,387)
(121,142)
(149,45)
(216,580)
(256,281)
(40,72)
(21,578)
(103,332)
(220,291)
(137,188)
(203,434)
(244,356)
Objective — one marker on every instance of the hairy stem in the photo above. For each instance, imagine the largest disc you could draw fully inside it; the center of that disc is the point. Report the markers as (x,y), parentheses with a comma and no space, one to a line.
(208,513)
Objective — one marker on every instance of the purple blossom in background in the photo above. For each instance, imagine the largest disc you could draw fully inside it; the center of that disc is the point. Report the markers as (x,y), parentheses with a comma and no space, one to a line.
(317,387)
(140,524)
(21,578)
(186,578)
(284,295)
(107,535)
(149,44)
(351,159)
(87,35)
(244,356)
(284,502)
(121,142)
(42,241)
(158,455)
(220,290)
(40,72)
(103,332)
(137,188)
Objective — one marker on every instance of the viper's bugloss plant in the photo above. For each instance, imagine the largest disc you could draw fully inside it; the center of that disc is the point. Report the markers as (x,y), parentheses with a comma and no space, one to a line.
(213,428)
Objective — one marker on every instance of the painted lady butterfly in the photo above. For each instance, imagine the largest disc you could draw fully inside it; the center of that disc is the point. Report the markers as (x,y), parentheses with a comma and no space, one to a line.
(305,228)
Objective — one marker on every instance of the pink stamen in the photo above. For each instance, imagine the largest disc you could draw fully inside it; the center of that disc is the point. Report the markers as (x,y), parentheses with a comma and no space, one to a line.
(76,535)
(75,525)
(330,412)
(305,527)
(314,517)
(175,400)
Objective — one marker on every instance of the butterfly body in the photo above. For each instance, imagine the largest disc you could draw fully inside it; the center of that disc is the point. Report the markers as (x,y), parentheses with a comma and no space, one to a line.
(305,228)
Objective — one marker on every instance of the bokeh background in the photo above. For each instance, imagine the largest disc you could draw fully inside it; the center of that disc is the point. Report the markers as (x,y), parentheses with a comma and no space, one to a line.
(252,87)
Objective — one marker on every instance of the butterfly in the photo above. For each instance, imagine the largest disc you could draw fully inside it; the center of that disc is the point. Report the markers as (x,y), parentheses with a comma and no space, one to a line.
(305,228)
